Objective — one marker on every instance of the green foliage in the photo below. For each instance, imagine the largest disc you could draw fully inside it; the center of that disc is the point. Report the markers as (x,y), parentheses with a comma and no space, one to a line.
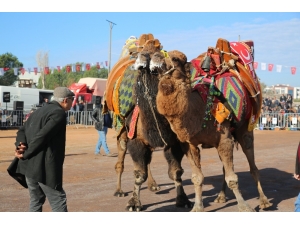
(65,79)
(8,60)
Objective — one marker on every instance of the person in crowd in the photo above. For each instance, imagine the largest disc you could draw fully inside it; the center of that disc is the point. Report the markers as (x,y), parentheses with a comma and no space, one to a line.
(289,99)
(298,109)
(282,98)
(28,114)
(46,101)
(40,150)
(297,177)
(102,123)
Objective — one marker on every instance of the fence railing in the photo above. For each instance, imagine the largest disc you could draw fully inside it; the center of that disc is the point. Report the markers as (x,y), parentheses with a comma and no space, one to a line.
(267,121)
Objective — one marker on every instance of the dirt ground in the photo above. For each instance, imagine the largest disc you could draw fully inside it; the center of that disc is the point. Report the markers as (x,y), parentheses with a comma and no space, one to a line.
(90,181)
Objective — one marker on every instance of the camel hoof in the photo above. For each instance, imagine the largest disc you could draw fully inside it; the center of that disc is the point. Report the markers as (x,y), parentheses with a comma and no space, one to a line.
(134,204)
(246,208)
(265,205)
(220,199)
(197,209)
(119,194)
(183,202)
(154,187)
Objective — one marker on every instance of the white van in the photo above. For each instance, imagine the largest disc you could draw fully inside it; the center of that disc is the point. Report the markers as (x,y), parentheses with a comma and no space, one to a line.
(31,97)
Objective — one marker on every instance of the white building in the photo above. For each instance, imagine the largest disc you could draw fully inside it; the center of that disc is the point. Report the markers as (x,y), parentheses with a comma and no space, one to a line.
(285,89)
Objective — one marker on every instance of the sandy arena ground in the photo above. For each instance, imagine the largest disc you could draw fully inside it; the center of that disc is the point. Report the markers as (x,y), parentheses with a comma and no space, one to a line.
(90,181)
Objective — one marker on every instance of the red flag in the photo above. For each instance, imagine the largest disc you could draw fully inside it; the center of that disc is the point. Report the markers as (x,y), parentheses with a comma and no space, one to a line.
(35,70)
(293,70)
(46,70)
(6,68)
(68,69)
(78,67)
(98,65)
(88,66)
(23,71)
(106,63)
(270,67)
(58,68)
(255,65)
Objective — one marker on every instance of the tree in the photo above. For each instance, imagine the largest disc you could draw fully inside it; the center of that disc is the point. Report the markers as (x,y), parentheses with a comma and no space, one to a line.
(42,59)
(10,61)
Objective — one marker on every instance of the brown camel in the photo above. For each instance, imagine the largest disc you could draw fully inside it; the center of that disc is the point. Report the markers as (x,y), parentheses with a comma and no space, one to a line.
(152,130)
(186,111)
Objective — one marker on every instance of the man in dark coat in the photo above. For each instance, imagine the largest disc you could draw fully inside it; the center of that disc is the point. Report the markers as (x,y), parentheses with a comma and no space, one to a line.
(297,177)
(40,149)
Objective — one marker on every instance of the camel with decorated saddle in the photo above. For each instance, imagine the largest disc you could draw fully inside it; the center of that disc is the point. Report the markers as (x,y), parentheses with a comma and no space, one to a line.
(131,95)
(212,101)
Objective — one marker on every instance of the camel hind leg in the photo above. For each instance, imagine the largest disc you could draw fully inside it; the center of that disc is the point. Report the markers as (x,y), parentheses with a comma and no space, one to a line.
(225,150)
(174,155)
(141,156)
(119,167)
(246,141)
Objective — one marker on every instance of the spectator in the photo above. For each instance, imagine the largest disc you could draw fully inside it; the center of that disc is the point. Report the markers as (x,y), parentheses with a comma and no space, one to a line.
(289,99)
(297,176)
(27,116)
(46,101)
(298,109)
(40,153)
(101,125)
(282,98)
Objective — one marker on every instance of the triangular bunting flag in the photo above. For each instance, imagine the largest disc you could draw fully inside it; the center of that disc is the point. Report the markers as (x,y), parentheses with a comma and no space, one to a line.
(270,66)
(46,70)
(98,65)
(58,68)
(23,71)
(16,71)
(29,70)
(106,63)
(255,65)
(263,66)
(83,67)
(278,68)
(35,69)
(1,71)
(78,68)
(293,70)
(88,66)
(68,69)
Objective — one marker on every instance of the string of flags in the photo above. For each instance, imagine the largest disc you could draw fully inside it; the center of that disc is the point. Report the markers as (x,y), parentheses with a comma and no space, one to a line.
(49,70)
(87,66)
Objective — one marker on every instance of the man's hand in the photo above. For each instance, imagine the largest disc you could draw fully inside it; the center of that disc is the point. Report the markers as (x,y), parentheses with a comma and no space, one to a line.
(20,150)
(297,176)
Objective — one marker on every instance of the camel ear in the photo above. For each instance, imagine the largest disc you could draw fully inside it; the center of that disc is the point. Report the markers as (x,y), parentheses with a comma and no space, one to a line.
(179,55)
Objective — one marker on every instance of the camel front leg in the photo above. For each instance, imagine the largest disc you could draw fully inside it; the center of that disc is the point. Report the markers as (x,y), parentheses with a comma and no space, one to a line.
(141,155)
(174,155)
(221,198)
(225,150)
(247,144)
(152,185)
(119,167)
(193,155)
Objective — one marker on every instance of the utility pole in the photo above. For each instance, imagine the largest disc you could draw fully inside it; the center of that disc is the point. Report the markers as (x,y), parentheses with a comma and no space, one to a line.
(111,24)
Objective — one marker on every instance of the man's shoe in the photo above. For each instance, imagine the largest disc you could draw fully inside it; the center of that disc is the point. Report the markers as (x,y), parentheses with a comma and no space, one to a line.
(112,155)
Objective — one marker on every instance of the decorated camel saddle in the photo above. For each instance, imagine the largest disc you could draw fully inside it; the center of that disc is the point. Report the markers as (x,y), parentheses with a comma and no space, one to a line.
(121,80)
(225,78)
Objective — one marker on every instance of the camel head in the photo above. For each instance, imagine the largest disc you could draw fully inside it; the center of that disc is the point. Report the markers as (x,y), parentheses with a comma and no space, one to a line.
(173,69)
(144,56)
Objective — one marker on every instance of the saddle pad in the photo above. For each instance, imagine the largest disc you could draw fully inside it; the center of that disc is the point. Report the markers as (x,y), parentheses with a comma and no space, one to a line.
(232,90)
(123,93)
(133,121)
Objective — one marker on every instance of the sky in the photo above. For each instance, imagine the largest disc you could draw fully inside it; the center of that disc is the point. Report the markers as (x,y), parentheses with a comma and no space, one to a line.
(81,33)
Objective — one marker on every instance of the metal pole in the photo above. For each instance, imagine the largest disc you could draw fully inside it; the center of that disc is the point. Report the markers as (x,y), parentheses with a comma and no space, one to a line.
(111,24)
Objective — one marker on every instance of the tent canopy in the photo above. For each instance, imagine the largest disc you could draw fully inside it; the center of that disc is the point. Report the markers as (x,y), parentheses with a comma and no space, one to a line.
(97,85)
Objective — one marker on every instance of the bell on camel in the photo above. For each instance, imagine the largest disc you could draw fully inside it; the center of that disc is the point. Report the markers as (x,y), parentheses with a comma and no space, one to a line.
(206,64)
